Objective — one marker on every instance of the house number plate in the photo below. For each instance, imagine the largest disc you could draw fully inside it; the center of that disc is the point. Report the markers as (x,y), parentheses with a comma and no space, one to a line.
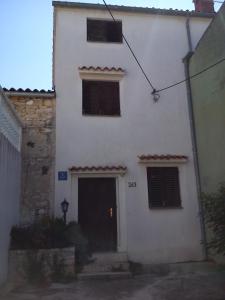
(132,184)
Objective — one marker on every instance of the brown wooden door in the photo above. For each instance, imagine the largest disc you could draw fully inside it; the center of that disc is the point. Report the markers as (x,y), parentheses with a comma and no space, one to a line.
(97,212)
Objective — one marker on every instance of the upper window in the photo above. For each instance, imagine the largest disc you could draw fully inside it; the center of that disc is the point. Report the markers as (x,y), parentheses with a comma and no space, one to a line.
(104,31)
(101,98)
(163,187)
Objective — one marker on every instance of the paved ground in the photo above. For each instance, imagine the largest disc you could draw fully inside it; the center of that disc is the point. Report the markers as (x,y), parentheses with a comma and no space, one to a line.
(205,286)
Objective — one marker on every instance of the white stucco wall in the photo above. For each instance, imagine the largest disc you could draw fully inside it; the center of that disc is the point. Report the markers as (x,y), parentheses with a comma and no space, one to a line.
(145,127)
(10,176)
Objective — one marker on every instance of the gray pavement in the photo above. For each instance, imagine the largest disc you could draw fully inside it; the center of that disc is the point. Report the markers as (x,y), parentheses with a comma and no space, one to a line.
(195,286)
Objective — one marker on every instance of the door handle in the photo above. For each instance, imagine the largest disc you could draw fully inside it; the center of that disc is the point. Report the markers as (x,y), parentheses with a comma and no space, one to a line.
(110,212)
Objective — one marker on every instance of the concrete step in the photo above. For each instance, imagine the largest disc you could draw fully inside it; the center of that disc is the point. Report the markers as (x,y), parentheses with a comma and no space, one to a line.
(104,257)
(107,262)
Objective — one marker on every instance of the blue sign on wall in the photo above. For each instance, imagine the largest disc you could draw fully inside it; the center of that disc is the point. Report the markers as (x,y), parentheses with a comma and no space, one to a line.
(62,175)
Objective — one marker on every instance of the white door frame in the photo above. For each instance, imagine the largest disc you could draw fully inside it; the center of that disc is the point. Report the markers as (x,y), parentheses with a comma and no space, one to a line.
(120,203)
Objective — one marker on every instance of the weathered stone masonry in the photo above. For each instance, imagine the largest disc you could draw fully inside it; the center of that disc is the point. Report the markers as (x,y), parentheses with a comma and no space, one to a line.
(37,111)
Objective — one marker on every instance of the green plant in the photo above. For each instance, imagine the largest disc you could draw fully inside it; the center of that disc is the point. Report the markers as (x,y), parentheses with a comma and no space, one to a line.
(47,233)
(214,212)
(83,253)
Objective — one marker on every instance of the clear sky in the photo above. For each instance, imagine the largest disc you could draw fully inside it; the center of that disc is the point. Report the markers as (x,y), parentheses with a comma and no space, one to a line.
(26,39)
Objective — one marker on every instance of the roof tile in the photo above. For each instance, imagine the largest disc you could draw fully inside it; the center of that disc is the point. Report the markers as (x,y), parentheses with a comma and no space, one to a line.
(97,168)
(20,90)
(102,69)
(162,157)
(135,9)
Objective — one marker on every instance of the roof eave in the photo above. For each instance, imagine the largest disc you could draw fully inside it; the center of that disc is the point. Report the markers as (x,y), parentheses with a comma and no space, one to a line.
(146,10)
(29,93)
(34,95)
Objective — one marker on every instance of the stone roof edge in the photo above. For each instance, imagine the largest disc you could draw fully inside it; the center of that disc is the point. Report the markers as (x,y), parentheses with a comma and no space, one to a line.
(30,93)
(134,9)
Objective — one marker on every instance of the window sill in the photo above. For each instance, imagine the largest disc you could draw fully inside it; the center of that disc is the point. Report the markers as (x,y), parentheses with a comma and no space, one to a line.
(166,207)
(105,42)
(108,116)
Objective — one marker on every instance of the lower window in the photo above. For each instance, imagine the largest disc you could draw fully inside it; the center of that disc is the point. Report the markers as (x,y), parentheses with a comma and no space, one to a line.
(163,187)
(101,98)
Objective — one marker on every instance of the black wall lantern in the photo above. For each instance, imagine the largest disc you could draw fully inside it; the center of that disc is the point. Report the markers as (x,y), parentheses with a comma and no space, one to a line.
(64,207)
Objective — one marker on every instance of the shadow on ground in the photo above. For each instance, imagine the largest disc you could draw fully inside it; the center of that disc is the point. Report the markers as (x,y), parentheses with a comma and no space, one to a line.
(207,286)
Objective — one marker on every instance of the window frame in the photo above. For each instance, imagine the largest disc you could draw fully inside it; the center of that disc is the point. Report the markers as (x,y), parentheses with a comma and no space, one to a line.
(103,114)
(178,187)
(104,41)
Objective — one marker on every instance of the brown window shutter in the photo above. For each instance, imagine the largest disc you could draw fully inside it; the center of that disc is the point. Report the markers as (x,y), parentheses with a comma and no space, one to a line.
(163,187)
(155,187)
(114,32)
(172,188)
(91,98)
(96,30)
(101,98)
(104,31)
(110,98)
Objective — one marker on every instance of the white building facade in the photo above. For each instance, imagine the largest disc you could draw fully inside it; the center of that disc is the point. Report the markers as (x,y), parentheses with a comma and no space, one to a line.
(123,161)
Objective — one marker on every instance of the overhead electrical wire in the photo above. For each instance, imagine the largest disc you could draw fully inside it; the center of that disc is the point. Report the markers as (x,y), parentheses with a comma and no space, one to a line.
(156,92)
(190,77)
(131,50)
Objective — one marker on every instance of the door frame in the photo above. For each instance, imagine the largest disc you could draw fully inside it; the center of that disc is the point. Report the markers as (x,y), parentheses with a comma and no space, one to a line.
(120,203)
(103,236)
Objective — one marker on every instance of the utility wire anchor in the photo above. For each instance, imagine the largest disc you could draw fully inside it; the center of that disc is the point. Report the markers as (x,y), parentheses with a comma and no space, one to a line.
(155,95)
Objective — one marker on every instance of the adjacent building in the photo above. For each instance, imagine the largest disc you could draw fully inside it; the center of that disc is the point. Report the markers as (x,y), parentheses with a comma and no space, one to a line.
(125,161)
(208,94)
(10,174)
(36,109)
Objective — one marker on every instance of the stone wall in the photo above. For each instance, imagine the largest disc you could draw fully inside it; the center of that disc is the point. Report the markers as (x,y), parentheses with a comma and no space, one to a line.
(50,264)
(37,111)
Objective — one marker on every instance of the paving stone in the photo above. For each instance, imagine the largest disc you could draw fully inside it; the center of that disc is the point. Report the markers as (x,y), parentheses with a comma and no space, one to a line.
(207,286)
